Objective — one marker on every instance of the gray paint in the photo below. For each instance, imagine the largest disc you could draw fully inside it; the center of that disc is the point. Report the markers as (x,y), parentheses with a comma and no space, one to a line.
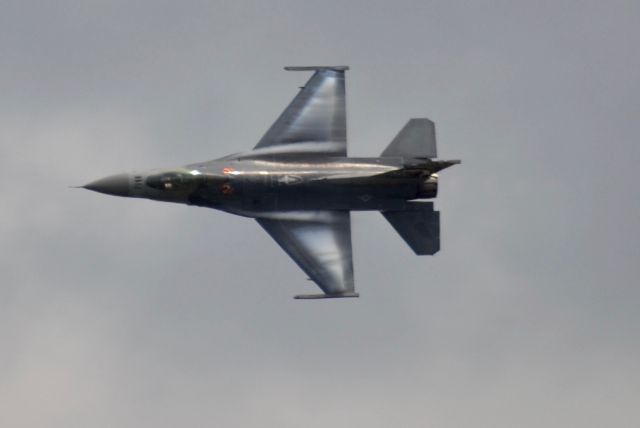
(527,316)
(300,186)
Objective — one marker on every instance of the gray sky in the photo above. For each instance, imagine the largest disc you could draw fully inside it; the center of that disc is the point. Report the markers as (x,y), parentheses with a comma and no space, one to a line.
(130,313)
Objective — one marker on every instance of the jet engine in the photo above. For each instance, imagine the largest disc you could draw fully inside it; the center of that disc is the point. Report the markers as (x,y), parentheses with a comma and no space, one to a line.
(428,187)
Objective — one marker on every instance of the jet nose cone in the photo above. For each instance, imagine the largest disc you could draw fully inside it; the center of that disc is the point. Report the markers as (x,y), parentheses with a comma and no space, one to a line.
(117,185)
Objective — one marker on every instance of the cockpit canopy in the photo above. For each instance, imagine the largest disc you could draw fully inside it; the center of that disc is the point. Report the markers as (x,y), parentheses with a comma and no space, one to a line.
(171,181)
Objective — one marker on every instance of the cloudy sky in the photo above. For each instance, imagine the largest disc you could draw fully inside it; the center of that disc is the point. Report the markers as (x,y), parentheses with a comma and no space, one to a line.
(132,313)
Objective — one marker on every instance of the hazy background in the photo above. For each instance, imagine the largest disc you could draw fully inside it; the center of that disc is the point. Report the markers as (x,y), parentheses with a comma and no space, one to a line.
(131,313)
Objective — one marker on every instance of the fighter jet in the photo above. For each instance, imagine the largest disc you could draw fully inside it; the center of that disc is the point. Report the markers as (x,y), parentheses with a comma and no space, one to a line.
(300,185)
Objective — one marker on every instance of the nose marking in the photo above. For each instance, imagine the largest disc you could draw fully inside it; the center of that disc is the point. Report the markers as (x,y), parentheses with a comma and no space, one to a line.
(137,182)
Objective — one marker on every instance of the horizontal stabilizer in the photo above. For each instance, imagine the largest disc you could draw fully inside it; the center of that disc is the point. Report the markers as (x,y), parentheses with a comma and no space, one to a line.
(418,225)
(416,140)
(326,296)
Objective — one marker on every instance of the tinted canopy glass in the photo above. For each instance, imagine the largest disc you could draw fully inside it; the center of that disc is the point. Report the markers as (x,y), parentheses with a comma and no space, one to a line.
(170,181)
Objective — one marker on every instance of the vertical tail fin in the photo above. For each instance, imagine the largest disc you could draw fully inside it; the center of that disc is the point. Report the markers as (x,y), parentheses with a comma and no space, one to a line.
(418,225)
(416,140)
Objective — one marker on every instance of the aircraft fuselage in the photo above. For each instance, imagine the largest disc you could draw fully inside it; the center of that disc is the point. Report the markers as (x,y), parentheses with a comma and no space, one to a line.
(252,186)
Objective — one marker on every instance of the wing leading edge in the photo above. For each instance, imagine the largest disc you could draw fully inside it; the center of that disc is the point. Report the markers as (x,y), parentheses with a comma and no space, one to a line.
(320,243)
(315,121)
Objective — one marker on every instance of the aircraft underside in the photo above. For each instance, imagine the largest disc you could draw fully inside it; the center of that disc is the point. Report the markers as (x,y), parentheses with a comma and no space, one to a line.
(300,186)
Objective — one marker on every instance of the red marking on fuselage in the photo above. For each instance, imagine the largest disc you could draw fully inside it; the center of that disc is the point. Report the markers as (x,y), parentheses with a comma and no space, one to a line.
(226,189)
